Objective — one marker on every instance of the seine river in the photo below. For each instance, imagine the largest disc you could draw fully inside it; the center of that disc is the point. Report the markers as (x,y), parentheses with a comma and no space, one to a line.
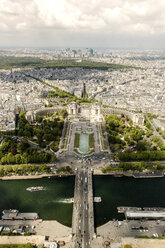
(55,201)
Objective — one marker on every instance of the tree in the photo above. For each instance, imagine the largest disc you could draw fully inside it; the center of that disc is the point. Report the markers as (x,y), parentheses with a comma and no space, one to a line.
(10,158)
(28,130)
(158,165)
(64,113)
(39,118)
(13,148)
(43,168)
(15,169)
(7,169)
(22,146)
(1,170)
(6,145)
(18,159)
(148,133)
(126,137)
(25,158)
(141,146)
(136,134)
(127,246)
(22,168)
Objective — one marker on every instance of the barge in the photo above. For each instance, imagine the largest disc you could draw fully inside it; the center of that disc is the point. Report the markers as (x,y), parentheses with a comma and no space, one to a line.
(37,188)
(14,214)
(148,213)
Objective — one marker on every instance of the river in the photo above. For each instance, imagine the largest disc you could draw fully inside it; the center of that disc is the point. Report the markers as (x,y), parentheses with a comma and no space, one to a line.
(126,191)
(54,203)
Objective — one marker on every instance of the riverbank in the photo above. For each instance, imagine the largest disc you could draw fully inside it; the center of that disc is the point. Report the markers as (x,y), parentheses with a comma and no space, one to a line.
(143,243)
(24,177)
(135,174)
(35,239)
(117,233)
(96,172)
(120,233)
(54,230)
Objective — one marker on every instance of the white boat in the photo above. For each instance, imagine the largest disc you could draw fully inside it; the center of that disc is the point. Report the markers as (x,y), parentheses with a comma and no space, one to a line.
(97,199)
(37,188)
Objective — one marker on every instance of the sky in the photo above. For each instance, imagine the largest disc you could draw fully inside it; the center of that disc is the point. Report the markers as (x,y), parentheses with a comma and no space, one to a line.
(83,23)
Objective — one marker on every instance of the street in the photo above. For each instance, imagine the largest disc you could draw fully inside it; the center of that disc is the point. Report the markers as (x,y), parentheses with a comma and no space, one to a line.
(83,210)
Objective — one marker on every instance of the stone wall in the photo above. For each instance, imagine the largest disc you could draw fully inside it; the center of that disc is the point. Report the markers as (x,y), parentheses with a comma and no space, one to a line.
(135,117)
(31,115)
(93,113)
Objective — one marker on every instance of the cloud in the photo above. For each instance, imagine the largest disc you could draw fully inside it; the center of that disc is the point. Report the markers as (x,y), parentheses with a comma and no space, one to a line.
(94,18)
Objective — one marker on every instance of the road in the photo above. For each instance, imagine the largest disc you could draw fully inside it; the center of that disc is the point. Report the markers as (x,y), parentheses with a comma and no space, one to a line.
(154,129)
(82,211)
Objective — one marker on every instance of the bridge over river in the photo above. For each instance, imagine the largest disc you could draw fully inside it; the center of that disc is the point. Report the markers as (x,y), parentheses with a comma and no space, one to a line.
(83,212)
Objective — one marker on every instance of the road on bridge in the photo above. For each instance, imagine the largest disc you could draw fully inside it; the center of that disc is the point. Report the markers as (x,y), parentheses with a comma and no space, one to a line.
(83,212)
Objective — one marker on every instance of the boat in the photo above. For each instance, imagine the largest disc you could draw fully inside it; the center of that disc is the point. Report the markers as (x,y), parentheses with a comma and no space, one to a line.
(14,214)
(118,175)
(153,209)
(97,199)
(37,188)
(10,211)
(124,209)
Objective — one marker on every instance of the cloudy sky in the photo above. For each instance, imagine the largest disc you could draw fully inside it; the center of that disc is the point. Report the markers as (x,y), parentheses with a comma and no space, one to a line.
(83,23)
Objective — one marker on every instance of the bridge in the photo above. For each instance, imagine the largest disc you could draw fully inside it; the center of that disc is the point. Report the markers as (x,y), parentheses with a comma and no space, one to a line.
(83,213)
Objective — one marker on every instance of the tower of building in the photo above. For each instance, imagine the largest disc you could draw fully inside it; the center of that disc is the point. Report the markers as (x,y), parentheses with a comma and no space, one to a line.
(84,93)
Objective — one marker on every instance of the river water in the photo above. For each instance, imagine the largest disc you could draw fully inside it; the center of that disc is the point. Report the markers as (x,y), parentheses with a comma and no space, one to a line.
(126,191)
(54,203)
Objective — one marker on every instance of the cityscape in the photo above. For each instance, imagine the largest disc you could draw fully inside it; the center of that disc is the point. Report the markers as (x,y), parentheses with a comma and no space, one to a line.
(82,124)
